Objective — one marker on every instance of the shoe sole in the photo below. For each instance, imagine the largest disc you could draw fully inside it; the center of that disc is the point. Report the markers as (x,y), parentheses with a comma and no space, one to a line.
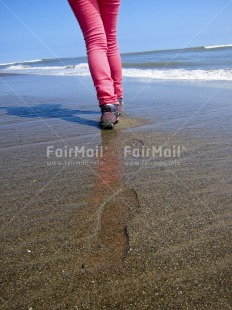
(107,124)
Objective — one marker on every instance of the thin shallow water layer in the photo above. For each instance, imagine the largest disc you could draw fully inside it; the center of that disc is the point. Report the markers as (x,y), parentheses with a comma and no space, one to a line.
(114,225)
(201,109)
(153,229)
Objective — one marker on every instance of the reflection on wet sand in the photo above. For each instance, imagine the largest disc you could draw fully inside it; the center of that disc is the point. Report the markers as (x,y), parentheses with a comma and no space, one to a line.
(114,202)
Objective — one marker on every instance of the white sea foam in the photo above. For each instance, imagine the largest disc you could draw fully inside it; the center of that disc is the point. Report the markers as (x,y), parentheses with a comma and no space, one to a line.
(17,67)
(26,61)
(218,46)
(20,62)
(180,74)
(158,74)
(8,63)
(29,69)
(69,70)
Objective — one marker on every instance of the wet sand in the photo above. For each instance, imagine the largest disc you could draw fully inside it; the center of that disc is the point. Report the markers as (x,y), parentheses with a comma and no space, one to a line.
(119,230)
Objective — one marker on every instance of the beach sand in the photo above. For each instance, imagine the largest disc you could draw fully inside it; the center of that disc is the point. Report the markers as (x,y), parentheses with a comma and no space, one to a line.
(121,229)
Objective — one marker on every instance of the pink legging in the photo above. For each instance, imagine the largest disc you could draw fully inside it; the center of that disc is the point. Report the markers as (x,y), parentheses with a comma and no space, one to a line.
(98,22)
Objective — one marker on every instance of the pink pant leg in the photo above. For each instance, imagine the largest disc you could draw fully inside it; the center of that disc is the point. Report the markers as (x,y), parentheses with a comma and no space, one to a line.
(90,20)
(109,12)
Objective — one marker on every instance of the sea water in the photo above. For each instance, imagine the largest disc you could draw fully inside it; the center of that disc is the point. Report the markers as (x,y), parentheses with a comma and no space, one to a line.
(212,63)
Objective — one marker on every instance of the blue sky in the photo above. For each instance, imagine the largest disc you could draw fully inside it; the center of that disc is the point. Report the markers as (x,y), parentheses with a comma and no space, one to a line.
(48,29)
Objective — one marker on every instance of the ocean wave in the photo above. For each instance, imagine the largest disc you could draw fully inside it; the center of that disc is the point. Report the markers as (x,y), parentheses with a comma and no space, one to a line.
(218,46)
(179,50)
(36,69)
(8,63)
(28,61)
(68,70)
(17,67)
(159,74)
(159,64)
(180,74)
(21,62)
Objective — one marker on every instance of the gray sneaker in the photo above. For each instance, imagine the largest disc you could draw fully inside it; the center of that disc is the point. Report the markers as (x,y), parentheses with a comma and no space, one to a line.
(110,115)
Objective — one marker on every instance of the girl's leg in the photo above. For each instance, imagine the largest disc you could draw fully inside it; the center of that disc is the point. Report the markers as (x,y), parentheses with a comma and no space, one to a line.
(109,13)
(89,17)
